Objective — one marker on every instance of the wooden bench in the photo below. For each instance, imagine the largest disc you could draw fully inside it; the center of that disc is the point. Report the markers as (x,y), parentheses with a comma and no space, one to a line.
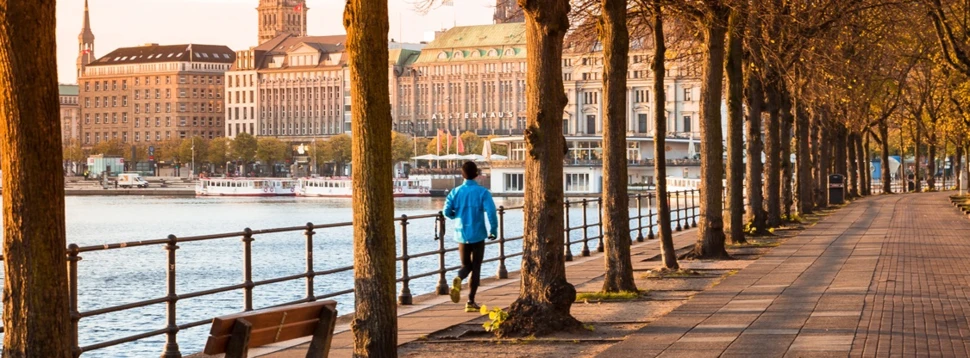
(235,334)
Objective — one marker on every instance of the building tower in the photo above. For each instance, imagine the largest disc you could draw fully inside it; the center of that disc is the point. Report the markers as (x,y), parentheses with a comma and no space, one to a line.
(277,17)
(85,50)
(507,11)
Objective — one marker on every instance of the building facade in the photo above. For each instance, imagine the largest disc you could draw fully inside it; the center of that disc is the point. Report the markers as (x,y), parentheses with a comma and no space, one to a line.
(151,93)
(70,114)
(290,87)
(278,17)
(470,78)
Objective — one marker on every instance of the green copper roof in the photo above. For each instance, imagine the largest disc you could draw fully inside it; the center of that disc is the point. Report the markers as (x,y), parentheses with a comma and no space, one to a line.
(471,43)
(67,90)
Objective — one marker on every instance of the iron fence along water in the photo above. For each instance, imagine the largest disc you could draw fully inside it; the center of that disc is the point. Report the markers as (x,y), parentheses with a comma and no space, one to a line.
(682,212)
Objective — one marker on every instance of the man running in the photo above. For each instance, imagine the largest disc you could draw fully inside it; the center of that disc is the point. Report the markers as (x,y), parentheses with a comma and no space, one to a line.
(469,203)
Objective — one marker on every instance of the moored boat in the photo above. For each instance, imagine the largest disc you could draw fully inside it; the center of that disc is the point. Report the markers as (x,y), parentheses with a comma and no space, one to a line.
(343,187)
(246,187)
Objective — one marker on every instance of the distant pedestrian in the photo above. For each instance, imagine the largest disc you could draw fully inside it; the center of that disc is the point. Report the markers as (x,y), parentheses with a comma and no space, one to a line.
(469,203)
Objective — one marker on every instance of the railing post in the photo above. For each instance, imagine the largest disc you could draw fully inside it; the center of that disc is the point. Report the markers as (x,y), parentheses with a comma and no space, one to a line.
(440,236)
(502,271)
(248,269)
(72,259)
(599,213)
(310,297)
(585,251)
(677,211)
(650,206)
(405,297)
(171,340)
(567,251)
(687,211)
(639,218)
(693,206)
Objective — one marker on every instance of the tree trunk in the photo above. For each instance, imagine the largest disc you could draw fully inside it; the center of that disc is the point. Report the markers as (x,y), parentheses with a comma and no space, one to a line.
(616,207)
(667,252)
(958,165)
(841,162)
(735,124)
(931,175)
(545,296)
(884,157)
(773,154)
(36,313)
(710,233)
(804,161)
(820,163)
(375,318)
(866,159)
(755,167)
(853,165)
(916,158)
(788,120)
(863,164)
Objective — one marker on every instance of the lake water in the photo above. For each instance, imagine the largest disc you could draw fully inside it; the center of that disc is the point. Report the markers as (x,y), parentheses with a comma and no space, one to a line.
(115,277)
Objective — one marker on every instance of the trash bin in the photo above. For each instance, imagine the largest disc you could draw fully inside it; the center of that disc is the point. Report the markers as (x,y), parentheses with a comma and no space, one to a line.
(836,189)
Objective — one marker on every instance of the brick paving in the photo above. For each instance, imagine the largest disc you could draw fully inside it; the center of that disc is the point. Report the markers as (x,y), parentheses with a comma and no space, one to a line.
(885,276)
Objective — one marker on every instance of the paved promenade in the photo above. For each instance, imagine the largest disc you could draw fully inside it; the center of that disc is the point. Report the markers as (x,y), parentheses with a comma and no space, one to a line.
(883,277)
(432,313)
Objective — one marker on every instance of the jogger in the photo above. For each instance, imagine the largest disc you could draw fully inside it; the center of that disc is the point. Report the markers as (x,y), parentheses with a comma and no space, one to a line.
(469,203)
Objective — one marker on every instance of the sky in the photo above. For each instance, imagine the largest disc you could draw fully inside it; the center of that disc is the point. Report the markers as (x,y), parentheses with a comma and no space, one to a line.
(126,23)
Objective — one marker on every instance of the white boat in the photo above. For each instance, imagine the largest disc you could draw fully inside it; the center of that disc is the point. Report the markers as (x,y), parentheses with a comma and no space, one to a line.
(343,187)
(412,187)
(246,187)
(325,187)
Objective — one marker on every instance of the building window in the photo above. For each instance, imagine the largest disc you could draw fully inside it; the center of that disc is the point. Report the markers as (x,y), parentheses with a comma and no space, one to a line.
(687,124)
(87,102)
(87,118)
(642,96)
(124,84)
(514,182)
(114,118)
(97,87)
(591,97)
(641,123)
(114,85)
(168,92)
(97,118)
(137,136)
(124,101)
(124,137)
(687,94)
(577,183)
(590,124)
(137,122)
(114,101)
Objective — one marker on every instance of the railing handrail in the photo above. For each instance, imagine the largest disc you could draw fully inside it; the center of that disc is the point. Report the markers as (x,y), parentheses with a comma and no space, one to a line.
(170,243)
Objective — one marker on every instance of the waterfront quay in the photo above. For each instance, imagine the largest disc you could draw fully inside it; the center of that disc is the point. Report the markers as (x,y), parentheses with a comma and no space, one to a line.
(860,281)
(130,304)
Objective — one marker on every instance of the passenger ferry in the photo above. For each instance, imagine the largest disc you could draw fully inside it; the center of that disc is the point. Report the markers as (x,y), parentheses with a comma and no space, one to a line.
(343,187)
(246,187)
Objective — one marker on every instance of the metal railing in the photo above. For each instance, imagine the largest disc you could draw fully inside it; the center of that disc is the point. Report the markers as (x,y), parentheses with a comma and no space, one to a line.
(684,213)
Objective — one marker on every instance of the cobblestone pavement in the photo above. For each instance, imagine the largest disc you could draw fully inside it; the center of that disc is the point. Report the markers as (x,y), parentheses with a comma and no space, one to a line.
(883,277)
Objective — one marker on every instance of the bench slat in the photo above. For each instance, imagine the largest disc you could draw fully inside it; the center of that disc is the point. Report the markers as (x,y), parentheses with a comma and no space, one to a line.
(270,317)
(262,337)
(298,320)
